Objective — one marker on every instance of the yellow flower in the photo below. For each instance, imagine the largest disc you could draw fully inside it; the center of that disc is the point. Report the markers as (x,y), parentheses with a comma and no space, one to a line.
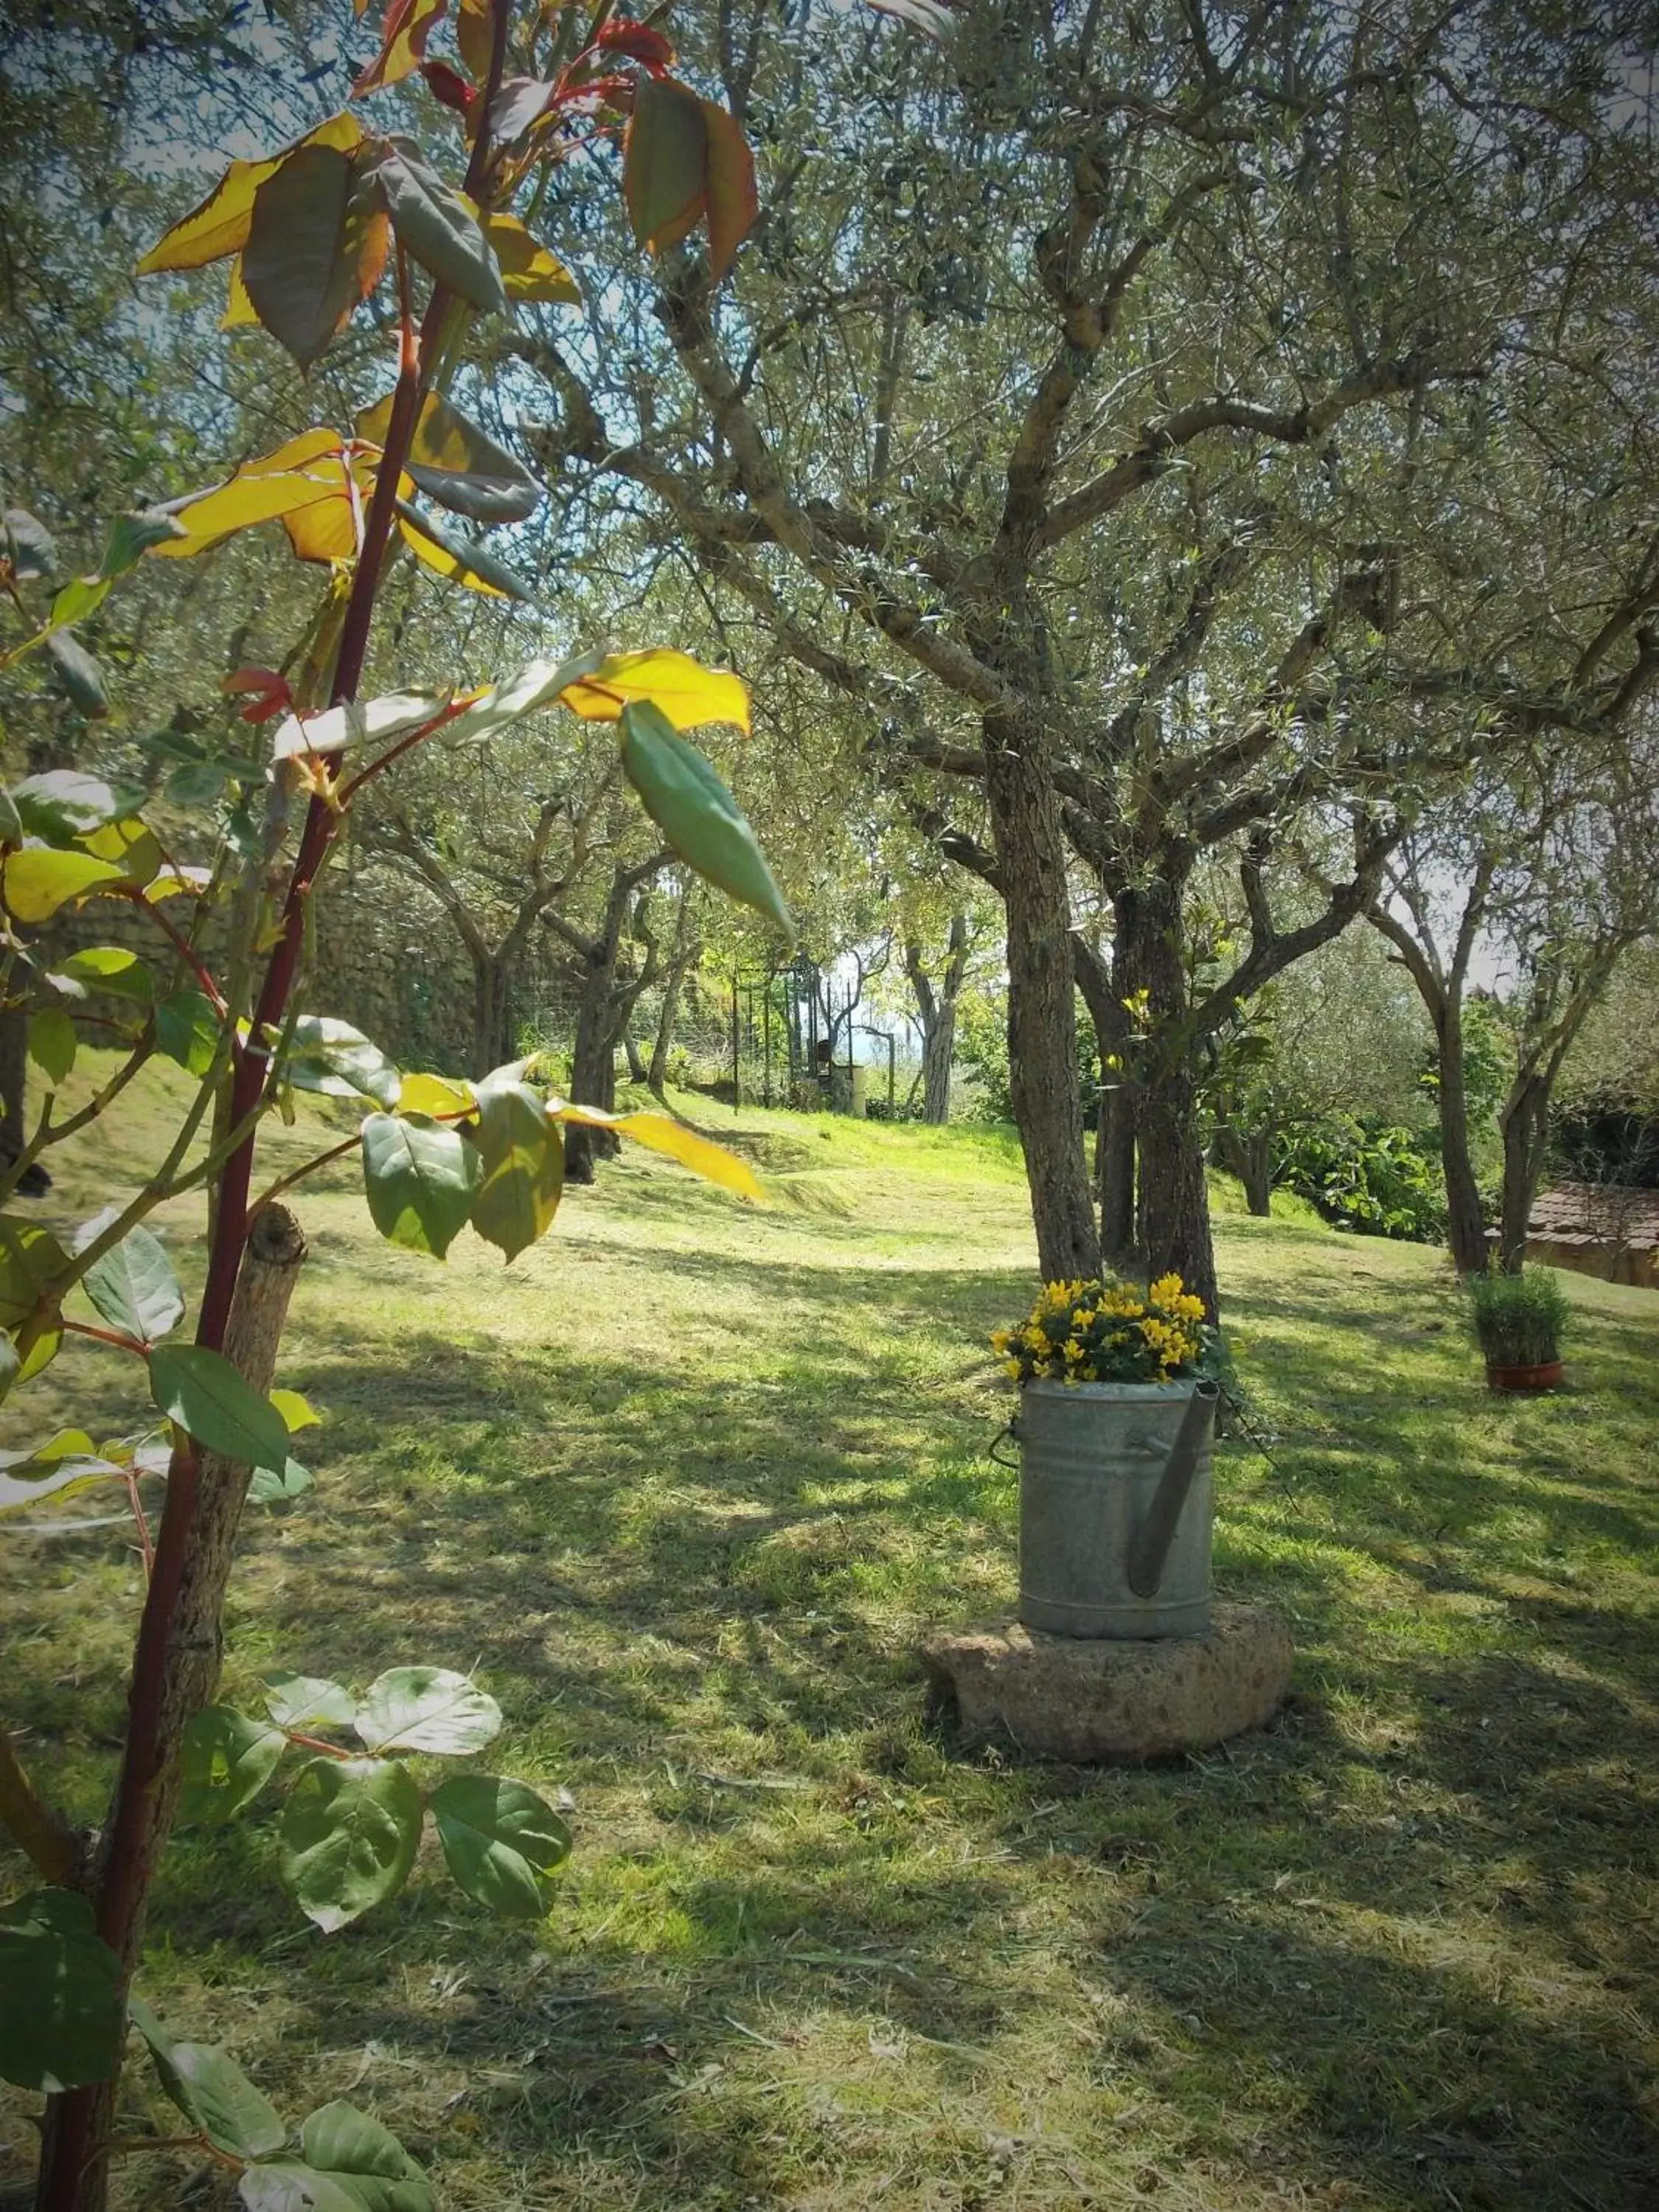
(1073,1349)
(1011,1368)
(999,1340)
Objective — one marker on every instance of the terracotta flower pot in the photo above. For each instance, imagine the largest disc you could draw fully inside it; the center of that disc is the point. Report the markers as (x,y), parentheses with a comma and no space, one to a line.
(1546,1377)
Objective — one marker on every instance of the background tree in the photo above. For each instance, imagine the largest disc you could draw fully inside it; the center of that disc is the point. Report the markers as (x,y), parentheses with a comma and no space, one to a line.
(1043,388)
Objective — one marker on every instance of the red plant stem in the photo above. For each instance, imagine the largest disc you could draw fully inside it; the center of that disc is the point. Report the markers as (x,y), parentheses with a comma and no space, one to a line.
(105,1336)
(316,1743)
(130,1843)
(186,953)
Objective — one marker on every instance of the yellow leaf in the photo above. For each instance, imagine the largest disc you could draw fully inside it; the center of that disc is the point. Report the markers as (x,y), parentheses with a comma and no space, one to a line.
(219,225)
(659,1134)
(305,471)
(529,272)
(129,846)
(408,25)
(682,688)
(39,879)
(296,1410)
(239,313)
(175,879)
(445,562)
(435,1096)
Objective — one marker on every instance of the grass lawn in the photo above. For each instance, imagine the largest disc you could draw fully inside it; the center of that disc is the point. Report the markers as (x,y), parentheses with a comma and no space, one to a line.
(685,1485)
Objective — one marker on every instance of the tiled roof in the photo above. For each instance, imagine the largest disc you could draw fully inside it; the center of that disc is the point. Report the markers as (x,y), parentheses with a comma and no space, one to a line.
(1596,1214)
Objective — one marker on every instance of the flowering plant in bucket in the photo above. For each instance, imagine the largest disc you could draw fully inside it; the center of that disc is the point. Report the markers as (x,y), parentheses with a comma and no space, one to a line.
(1111,1332)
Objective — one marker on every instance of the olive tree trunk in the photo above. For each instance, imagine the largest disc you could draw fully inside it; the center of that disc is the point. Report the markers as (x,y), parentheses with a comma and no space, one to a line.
(1042,1020)
(1174,1209)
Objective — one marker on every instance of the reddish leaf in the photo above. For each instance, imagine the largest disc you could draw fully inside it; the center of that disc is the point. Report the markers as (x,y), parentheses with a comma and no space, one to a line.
(448,87)
(733,202)
(664,156)
(253,679)
(316,246)
(521,102)
(639,42)
(409,24)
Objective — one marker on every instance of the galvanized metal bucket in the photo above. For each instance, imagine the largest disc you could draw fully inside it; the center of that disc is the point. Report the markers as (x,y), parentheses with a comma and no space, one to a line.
(1116,1502)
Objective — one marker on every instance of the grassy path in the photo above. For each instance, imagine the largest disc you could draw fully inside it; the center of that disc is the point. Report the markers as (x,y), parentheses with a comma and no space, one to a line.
(685,1483)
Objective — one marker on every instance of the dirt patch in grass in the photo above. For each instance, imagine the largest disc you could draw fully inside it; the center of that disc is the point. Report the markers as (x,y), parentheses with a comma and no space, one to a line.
(686,1484)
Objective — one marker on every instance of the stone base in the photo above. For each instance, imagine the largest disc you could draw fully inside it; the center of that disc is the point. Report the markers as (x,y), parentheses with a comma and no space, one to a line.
(1061,1696)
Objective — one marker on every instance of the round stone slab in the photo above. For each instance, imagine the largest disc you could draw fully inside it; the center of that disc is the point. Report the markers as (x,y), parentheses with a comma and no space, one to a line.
(1093,1700)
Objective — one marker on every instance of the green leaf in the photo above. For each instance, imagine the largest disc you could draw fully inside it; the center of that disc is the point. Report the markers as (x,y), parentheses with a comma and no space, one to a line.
(39,1355)
(62,804)
(200,1390)
(65,1462)
(458,465)
(330,1056)
(427,1709)
(696,811)
(664,162)
(348,1835)
(315,247)
(441,230)
(109,967)
(81,597)
(422,1181)
(10,1367)
(28,545)
(51,1044)
(365,2159)
(79,677)
(502,1843)
(61,2023)
(523,1155)
(463,560)
(133,1286)
(132,537)
(535,685)
(308,1701)
(267,1487)
(187,1029)
(211,2091)
(228,1759)
(11,825)
(37,881)
(31,1260)
(283,2185)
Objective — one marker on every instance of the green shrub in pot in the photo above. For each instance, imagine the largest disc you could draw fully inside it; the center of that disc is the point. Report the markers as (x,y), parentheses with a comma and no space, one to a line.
(1518,1319)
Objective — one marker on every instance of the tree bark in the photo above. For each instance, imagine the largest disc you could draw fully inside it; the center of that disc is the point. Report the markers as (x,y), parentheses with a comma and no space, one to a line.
(74,2177)
(937,1010)
(1525,1122)
(1466,1222)
(1042,1020)
(1174,1196)
(495,1030)
(1114,1139)
(1250,1157)
(680,962)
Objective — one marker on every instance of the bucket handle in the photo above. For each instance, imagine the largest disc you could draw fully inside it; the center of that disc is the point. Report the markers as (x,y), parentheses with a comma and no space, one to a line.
(1149,1548)
(1011,1431)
